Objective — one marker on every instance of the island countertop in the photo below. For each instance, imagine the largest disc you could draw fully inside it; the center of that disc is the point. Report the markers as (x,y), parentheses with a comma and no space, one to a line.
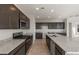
(69,45)
(6,46)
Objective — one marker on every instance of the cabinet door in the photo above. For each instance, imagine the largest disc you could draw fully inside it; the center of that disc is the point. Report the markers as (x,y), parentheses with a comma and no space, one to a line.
(21,51)
(52,48)
(28,44)
(14,18)
(4,9)
(13,21)
(8,16)
(59,50)
(26,21)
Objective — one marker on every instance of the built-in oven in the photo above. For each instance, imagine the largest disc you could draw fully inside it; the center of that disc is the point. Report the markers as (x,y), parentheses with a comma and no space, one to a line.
(22,24)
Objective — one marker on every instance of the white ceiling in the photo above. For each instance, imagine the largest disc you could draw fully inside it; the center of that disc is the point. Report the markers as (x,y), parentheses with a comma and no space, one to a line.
(60,10)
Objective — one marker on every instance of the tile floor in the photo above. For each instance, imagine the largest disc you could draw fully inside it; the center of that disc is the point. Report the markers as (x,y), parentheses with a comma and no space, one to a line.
(39,48)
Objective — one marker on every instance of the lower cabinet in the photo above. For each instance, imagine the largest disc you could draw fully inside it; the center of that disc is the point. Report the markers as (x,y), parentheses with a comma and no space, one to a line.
(48,42)
(22,48)
(19,50)
(28,44)
(59,50)
(54,49)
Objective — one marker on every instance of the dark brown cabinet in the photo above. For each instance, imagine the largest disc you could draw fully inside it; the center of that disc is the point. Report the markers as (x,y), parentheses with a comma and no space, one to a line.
(10,17)
(50,25)
(58,50)
(48,42)
(28,44)
(54,49)
(39,35)
(23,48)
(19,50)
(24,22)
(56,25)
(4,22)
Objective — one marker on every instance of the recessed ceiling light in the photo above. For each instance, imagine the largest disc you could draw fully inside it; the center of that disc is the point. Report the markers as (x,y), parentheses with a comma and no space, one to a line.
(52,10)
(37,8)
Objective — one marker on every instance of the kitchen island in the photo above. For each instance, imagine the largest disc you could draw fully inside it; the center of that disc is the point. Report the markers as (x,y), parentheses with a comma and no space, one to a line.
(62,45)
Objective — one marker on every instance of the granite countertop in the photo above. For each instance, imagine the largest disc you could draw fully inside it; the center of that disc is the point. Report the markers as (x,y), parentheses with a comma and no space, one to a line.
(6,46)
(69,45)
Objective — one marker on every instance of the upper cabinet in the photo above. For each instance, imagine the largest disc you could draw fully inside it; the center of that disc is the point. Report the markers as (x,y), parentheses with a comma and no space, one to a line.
(24,21)
(4,19)
(13,15)
(10,17)
(51,25)
(56,25)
